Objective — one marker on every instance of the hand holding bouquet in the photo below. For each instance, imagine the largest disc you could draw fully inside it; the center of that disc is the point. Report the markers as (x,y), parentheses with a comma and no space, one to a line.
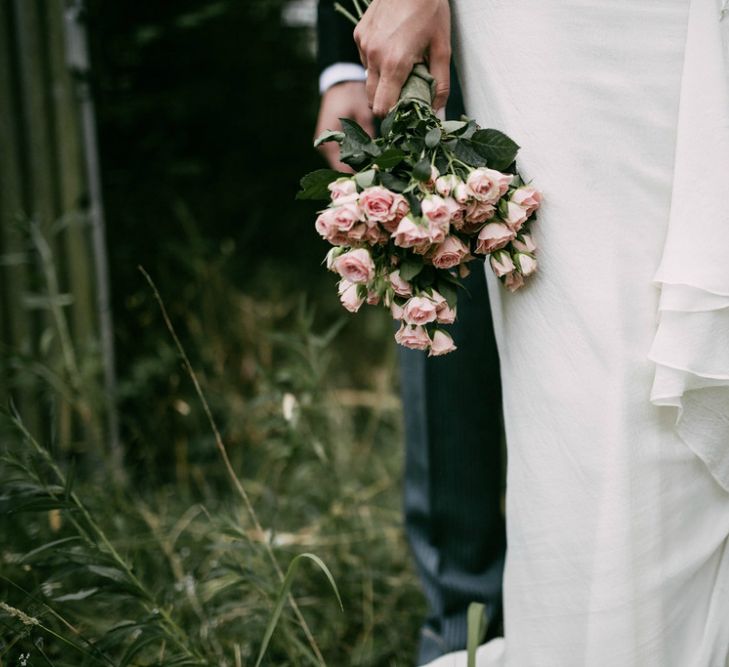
(426,198)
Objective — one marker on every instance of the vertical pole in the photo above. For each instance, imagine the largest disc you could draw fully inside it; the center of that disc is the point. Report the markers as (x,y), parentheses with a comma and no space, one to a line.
(78,62)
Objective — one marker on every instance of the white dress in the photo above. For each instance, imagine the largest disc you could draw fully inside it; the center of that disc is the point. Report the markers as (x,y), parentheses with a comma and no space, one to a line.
(615,359)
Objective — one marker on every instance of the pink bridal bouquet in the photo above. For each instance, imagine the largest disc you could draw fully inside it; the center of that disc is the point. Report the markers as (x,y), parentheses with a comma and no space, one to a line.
(427,197)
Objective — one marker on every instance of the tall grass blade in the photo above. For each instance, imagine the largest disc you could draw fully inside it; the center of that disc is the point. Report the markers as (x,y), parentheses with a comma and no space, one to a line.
(284,593)
(476,630)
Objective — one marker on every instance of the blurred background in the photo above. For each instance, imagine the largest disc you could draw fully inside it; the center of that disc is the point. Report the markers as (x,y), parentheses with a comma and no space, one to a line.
(171,136)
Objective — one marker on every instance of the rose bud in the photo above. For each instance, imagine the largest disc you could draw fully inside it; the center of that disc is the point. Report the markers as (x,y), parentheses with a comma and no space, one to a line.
(409,233)
(444,185)
(461,193)
(343,191)
(442,344)
(488,184)
(430,183)
(331,256)
(348,295)
(528,197)
(400,286)
(524,243)
(419,310)
(450,253)
(493,236)
(413,337)
(514,281)
(396,311)
(526,263)
(501,263)
(373,298)
(356,266)
(376,203)
(515,216)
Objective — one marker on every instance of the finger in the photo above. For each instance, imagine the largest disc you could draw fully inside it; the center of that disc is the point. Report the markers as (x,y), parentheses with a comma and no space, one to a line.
(388,90)
(440,67)
(357,34)
(373,78)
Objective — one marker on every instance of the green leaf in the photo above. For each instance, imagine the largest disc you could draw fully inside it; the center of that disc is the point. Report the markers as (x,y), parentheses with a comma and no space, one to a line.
(356,141)
(78,595)
(476,630)
(284,593)
(495,147)
(421,171)
(466,152)
(390,158)
(108,573)
(392,182)
(386,125)
(449,292)
(328,135)
(432,138)
(365,178)
(453,126)
(314,184)
(410,269)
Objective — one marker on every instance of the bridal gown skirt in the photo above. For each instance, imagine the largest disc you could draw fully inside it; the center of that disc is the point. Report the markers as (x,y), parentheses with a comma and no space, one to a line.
(617,528)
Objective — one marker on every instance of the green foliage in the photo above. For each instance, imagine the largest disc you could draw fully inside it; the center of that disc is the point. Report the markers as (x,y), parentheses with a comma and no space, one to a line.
(176,572)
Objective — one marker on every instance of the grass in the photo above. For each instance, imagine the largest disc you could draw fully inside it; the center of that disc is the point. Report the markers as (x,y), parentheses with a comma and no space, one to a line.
(292,446)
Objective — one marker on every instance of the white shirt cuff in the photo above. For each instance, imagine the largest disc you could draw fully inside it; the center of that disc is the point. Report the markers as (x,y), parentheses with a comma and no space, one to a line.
(339,72)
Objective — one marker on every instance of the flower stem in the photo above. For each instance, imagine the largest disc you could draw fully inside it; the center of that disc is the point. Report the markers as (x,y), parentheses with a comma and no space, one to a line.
(348,15)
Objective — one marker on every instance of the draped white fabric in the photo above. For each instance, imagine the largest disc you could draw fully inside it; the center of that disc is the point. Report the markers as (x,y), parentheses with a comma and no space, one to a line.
(691,348)
(617,514)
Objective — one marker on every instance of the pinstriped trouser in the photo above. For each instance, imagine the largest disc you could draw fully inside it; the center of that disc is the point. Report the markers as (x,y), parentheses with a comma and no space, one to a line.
(453,469)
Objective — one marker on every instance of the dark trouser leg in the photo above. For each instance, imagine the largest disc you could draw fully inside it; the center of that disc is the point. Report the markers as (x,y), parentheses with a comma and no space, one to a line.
(453,474)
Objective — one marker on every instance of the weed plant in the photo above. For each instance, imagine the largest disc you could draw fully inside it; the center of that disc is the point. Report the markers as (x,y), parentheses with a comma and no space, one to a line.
(180,560)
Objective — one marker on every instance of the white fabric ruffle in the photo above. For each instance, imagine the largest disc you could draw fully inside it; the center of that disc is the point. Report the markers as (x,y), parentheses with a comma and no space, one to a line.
(691,346)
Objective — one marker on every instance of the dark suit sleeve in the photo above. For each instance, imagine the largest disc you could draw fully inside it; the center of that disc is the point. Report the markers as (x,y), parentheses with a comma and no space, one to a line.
(334,37)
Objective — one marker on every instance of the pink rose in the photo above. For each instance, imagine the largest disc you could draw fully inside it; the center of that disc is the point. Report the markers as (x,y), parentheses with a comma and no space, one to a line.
(442,344)
(450,253)
(438,210)
(528,197)
(400,208)
(356,266)
(400,286)
(396,310)
(373,298)
(348,295)
(376,203)
(501,263)
(488,184)
(493,236)
(325,224)
(343,190)
(357,233)
(375,235)
(526,263)
(419,310)
(346,216)
(444,313)
(444,185)
(515,216)
(414,337)
(409,233)
(514,281)
(479,211)
(524,243)
(459,212)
